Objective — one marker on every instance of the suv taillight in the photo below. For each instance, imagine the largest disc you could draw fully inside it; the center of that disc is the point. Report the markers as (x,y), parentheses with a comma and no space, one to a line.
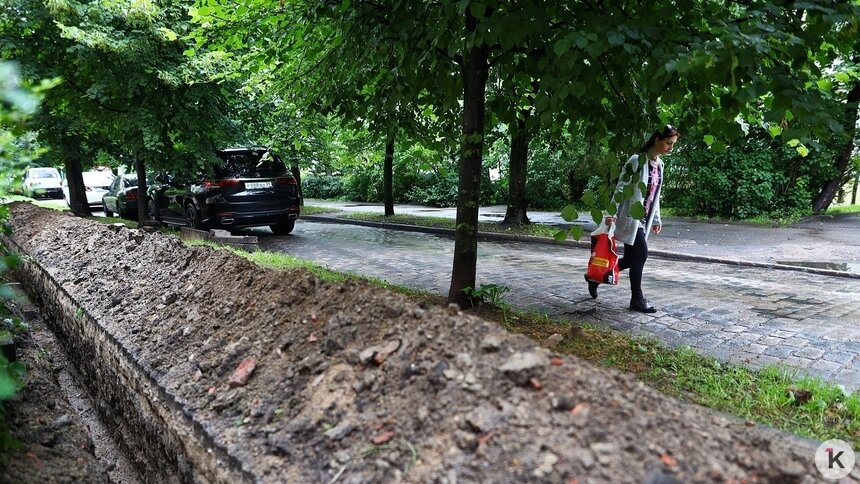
(286,180)
(227,182)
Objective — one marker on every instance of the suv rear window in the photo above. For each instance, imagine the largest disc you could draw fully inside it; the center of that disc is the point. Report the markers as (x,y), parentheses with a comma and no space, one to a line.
(249,164)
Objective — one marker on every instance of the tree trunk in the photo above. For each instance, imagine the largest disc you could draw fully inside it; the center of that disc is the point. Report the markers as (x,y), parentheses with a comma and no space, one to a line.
(142,196)
(77,190)
(828,191)
(388,175)
(517,173)
(474,72)
(297,174)
(854,191)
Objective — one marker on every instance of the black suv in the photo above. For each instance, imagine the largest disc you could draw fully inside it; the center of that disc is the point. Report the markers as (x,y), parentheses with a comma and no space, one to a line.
(250,187)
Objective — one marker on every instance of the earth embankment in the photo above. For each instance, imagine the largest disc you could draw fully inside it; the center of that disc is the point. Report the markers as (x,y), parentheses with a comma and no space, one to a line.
(215,369)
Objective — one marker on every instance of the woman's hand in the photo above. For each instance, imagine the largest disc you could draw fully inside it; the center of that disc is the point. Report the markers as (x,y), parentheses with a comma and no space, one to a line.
(609,221)
(656,229)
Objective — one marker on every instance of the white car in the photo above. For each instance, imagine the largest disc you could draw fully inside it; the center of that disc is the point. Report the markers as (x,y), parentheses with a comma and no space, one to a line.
(44,181)
(96,184)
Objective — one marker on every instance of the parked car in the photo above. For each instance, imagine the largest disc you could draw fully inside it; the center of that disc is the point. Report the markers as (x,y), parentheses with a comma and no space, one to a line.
(250,187)
(96,184)
(43,181)
(121,198)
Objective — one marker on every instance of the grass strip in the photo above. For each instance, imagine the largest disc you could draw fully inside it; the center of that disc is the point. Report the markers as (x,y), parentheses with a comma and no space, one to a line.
(533,230)
(773,396)
(315,210)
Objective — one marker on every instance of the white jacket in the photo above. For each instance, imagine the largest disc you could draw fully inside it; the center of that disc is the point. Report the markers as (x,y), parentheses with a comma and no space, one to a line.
(625,225)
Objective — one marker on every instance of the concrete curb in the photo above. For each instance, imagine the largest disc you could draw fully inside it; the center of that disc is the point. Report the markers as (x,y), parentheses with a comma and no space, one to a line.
(489,236)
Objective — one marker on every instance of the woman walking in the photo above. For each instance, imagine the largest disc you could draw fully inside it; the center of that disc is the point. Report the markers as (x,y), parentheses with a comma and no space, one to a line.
(646,167)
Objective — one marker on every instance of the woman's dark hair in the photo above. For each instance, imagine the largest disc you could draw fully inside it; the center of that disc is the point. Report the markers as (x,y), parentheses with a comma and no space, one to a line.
(667,132)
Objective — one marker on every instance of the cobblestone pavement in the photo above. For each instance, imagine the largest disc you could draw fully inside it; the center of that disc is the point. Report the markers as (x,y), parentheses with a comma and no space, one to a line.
(824,242)
(743,315)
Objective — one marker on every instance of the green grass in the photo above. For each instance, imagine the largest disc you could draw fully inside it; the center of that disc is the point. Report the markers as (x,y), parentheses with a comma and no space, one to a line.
(132,224)
(273,260)
(534,230)
(314,210)
(54,204)
(843,209)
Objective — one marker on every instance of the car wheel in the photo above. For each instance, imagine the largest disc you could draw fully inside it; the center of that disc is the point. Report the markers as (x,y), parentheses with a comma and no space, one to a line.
(152,211)
(283,228)
(107,212)
(192,216)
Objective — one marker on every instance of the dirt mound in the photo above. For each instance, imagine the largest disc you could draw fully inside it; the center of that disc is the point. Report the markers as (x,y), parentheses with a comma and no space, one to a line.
(356,384)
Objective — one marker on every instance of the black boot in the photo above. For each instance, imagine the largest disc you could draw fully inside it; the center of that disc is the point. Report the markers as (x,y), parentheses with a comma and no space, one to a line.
(641,304)
(592,287)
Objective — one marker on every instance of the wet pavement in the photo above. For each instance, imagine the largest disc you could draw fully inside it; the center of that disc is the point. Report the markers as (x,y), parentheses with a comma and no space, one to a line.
(750,316)
(827,242)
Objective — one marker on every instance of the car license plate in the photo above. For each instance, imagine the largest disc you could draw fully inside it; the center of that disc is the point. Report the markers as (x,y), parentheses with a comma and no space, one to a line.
(257,185)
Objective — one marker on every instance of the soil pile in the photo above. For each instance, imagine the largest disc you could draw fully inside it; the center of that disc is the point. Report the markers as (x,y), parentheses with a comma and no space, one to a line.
(303,380)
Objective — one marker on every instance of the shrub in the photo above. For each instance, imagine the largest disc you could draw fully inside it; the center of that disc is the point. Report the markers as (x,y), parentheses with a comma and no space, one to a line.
(322,186)
(757,176)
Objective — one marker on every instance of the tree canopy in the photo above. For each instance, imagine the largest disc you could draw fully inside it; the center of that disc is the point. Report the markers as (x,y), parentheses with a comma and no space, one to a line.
(154,79)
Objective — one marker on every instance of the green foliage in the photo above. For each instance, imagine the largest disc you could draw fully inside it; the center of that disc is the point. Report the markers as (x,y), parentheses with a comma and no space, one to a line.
(756,176)
(11,375)
(488,293)
(17,104)
(325,187)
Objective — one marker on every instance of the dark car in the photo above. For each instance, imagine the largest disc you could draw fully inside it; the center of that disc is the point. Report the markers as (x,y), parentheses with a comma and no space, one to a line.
(121,197)
(249,187)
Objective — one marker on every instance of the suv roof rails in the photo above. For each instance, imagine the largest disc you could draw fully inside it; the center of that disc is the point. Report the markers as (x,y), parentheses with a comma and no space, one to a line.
(248,148)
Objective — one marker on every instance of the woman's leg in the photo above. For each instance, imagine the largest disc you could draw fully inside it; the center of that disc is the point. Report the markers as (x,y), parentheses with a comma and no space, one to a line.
(634,259)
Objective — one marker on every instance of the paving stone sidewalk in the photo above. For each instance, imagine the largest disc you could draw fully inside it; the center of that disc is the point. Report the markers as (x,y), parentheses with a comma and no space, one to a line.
(743,315)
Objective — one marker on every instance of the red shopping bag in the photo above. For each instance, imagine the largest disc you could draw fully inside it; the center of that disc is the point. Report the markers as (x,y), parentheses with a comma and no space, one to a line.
(603,263)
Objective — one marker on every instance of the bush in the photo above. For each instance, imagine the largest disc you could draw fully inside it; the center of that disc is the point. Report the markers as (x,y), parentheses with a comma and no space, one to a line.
(325,187)
(438,190)
(757,176)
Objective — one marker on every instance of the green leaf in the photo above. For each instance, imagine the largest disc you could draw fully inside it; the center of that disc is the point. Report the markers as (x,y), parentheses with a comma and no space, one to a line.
(577,232)
(344,5)
(774,131)
(169,34)
(637,210)
(597,215)
(560,236)
(569,213)
(561,47)
(843,77)
(719,146)
(7,385)
(615,39)
(793,142)
(825,84)
(587,198)
(709,139)
(477,9)
(802,150)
